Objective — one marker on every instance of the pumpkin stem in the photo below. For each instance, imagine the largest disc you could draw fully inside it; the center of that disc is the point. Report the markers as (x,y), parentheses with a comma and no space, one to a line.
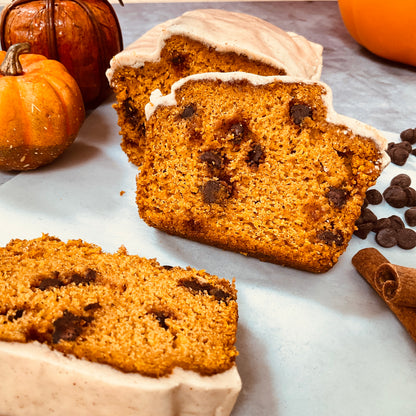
(11,65)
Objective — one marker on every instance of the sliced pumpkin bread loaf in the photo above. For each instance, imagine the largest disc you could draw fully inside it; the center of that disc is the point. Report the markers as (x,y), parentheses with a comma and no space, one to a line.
(75,316)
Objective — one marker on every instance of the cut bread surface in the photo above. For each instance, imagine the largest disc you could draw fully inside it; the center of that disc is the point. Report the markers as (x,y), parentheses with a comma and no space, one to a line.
(255,165)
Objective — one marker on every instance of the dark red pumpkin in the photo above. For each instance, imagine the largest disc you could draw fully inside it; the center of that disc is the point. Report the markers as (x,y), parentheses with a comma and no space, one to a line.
(82,34)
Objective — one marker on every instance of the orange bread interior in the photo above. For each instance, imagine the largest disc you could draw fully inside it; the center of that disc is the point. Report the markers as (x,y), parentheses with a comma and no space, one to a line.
(256,169)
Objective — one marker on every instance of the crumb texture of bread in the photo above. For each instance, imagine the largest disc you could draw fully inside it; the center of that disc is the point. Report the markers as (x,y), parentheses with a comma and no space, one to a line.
(256,169)
(118,309)
(180,56)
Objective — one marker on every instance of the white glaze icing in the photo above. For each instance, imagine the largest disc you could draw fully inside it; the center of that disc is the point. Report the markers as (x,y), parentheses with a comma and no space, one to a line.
(39,381)
(228,32)
(357,127)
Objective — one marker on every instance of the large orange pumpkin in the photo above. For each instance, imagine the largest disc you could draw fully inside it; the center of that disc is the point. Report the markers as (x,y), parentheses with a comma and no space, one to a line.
(41,109)
(384,27)
(81,34)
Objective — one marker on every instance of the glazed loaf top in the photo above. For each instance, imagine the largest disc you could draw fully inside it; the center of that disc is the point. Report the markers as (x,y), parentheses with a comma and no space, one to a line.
(41,381)
(228,32)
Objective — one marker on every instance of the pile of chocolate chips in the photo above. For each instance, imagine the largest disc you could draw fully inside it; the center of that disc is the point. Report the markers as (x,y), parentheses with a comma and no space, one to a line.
(392,231)
(399,152)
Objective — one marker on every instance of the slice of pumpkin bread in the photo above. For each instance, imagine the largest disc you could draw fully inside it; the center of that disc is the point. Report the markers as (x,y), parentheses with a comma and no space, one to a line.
(258,165)
(129,314)
(204,40)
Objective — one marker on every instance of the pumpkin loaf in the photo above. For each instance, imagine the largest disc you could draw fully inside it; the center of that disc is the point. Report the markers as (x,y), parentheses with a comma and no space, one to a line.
(258,165)
(86,332)
(201,41)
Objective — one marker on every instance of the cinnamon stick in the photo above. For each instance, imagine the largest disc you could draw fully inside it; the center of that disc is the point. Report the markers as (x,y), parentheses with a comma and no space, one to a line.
(367,261)
(396,285)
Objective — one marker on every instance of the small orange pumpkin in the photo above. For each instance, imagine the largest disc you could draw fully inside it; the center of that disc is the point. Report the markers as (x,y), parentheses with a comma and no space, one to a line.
(384,27)
(41,109)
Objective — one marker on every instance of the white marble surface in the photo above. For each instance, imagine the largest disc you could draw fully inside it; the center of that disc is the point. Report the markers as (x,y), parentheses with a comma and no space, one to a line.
(319,345)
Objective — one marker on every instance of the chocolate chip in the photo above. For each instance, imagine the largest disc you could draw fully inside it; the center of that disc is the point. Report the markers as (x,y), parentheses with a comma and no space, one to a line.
(374,197)
(255,155)
(398,154)
(396,222)
(34,334)
(161,318)
(363,230)
(188,111)
(300,111)
(411,196)
(76,278)
(410,217)
(215,191)
(408,135)
(179,61)
(346,154)
(395,196)
(337,196)
(219,294)
(238,131)
(59,280)
(382,223)
(167,267)
(387,237)
(212,158)
(92,306)
(50,282)
(88,277)
(405,145)
(366,216)
(329,237)
(18,314)
(197,286)
(69,327)
(401,180)
(406,239)
(130,111)
(413,152)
